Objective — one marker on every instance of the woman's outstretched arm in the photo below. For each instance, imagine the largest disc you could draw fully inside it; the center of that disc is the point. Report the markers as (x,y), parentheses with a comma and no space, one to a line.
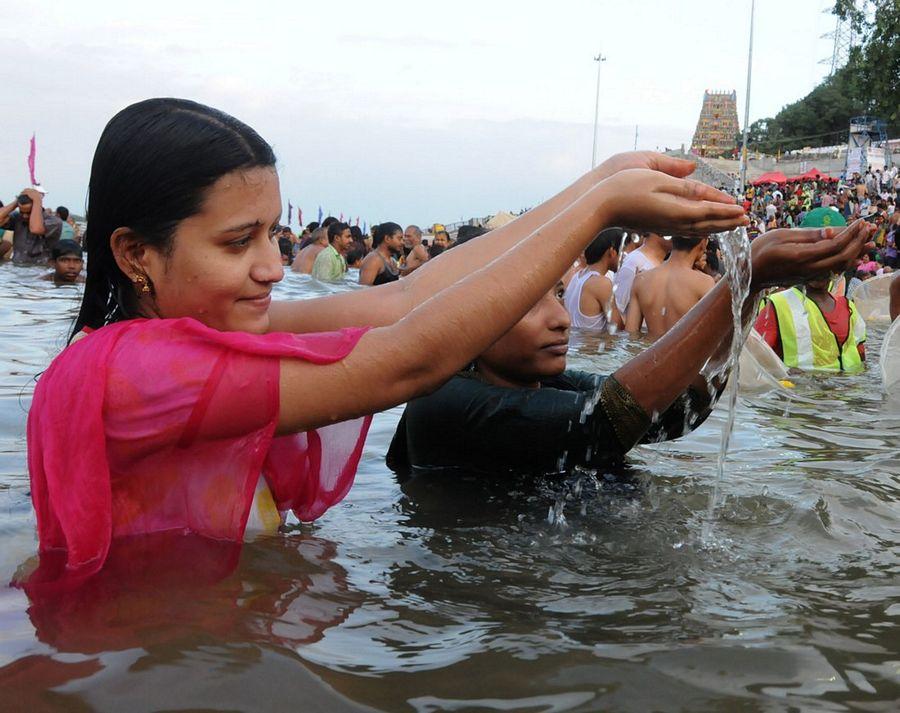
(424,348)
(391,302)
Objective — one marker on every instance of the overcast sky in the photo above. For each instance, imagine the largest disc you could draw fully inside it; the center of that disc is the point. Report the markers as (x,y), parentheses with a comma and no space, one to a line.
(405,111)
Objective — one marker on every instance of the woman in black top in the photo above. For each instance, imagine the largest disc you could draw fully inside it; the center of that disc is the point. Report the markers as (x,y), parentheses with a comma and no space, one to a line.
(380,266)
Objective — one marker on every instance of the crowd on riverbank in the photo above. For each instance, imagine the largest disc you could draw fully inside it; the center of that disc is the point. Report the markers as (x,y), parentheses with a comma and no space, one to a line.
(873,195)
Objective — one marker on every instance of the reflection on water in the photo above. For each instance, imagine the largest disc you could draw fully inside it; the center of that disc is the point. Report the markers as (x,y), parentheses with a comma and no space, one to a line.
(457,594)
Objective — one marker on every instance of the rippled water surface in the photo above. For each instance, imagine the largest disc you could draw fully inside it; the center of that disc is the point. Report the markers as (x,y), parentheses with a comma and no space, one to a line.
(460,595)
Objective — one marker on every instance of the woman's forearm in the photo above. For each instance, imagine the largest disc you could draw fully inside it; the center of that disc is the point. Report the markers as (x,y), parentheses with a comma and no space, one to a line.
(392,364)
(389,303)
(455,264)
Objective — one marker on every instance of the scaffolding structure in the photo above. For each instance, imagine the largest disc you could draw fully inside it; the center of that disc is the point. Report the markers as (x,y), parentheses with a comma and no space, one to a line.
(866,133)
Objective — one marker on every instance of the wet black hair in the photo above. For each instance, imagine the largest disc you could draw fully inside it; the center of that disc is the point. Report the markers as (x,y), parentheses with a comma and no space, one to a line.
(153,165)
(63,212)
(312,225)
(335,229)
(24,200)
(66,247)
(382,231)
(328,221)
(356,232)
(712,256)
(684,244)
(467,232)
(356,253)
(606,239)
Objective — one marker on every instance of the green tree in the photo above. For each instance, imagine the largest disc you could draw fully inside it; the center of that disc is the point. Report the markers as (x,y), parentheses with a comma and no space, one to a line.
(868,84)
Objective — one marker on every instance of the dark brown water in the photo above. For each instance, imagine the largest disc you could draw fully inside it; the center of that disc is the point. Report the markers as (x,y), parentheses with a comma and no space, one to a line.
(460,595)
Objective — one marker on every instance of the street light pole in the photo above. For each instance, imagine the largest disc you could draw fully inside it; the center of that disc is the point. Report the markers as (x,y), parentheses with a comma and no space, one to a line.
(599,59)
(747,101)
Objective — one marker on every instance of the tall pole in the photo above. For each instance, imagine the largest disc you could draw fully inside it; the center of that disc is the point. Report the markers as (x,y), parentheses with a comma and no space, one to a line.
(599,59)
(747,101)
(635,136)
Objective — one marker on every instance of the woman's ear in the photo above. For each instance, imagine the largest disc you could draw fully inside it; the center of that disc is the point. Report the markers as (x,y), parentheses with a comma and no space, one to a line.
(129,252)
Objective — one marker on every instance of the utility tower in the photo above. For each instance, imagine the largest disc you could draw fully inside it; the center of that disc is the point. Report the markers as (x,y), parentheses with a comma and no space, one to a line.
(843,40)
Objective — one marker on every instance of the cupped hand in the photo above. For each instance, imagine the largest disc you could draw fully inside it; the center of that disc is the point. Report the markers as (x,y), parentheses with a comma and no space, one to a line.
(785,256)
(677,167)
(652,200)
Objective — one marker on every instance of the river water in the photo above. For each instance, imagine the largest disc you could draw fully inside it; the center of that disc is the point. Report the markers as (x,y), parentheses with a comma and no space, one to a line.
(461,595)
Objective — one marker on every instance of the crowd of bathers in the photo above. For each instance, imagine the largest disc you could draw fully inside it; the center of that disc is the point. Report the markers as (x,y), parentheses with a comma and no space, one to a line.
(32,234)
(328,250)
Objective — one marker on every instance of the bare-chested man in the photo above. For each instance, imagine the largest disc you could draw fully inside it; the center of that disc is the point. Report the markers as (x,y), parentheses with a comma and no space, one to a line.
(306,258)
(663,295)
(415,253)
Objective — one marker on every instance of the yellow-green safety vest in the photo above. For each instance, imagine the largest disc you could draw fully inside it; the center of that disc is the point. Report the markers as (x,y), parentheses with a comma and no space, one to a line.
(806,340)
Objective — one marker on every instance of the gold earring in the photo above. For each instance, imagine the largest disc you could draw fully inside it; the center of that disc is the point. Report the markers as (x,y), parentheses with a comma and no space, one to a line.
(142,281)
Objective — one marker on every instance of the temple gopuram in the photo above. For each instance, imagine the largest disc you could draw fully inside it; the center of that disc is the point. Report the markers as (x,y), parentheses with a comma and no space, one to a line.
(717,127)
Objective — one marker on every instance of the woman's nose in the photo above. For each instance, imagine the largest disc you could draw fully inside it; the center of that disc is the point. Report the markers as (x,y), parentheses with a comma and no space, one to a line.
(268,266)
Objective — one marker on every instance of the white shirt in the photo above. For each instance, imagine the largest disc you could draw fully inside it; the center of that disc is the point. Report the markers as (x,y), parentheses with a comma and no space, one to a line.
(572,300)
(635,262)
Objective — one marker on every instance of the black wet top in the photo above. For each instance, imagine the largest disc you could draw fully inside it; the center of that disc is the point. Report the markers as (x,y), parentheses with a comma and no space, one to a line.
(386,274)
(575,418)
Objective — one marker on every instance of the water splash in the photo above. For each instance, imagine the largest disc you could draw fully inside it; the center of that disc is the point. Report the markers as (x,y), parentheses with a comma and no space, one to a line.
(735,247)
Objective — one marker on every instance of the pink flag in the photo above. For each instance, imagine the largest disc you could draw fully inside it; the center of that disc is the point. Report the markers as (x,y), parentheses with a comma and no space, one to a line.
(31,154)
(342,216)
(299,217)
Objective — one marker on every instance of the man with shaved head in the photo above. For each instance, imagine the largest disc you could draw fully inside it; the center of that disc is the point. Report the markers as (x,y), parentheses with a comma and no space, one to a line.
(415,254)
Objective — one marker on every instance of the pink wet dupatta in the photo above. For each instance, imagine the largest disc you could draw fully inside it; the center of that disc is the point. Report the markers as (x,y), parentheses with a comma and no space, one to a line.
(157,425)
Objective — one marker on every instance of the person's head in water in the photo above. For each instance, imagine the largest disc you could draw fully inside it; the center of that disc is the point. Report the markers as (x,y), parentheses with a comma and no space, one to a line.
(605,248)
(389,234)
(67,261)
(534,349)
(183,204)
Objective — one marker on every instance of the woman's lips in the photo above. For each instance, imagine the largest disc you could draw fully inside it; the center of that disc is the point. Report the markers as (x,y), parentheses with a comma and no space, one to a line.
(557,349)
(260,301)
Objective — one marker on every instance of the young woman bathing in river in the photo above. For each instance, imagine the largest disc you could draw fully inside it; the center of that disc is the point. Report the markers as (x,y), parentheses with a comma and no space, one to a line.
(192,382)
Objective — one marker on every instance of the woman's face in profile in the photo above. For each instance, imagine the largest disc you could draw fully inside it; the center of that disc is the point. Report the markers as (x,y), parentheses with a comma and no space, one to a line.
(225,259)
